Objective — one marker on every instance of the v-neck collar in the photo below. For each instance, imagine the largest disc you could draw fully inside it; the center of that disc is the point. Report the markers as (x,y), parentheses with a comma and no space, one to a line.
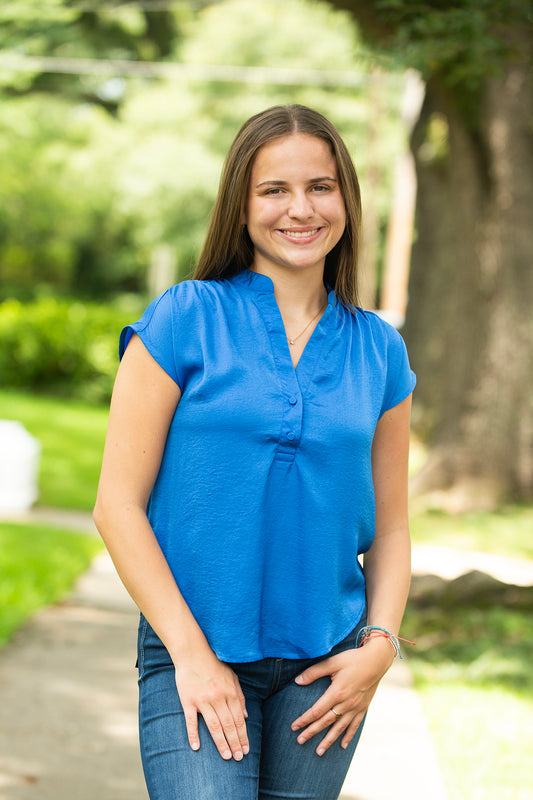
(263,288)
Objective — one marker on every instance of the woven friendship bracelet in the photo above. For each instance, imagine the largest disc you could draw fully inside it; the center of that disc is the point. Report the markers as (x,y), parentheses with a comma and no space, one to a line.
(369,631)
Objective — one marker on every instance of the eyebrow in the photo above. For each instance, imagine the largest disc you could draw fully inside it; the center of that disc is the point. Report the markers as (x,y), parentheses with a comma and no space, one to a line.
(284,183)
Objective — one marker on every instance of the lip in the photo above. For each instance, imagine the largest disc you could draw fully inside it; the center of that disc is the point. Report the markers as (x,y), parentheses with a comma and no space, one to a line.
(301,235)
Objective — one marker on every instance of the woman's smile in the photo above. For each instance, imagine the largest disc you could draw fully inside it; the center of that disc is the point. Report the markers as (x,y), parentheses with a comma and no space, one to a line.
(302,235)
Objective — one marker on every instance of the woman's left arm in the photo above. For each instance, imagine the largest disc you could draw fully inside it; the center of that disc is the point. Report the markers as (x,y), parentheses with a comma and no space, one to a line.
(355,674)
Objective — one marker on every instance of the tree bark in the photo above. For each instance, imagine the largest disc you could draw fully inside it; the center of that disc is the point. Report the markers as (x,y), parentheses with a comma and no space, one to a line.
(469,323)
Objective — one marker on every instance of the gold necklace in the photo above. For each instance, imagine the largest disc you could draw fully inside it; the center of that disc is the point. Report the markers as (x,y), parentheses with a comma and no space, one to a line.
(292,339)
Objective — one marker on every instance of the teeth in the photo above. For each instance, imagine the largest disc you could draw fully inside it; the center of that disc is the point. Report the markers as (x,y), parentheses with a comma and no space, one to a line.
(300,234)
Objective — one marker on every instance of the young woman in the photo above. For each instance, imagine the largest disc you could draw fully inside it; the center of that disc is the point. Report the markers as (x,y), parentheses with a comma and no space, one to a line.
(257,444)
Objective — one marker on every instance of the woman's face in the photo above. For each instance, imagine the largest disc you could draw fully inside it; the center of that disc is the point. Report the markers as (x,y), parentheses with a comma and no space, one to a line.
(295,212)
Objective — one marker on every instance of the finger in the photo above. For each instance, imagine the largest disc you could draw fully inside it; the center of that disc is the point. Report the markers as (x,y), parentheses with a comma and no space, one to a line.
(336,730)
(240,725)
(320,709)
(328,720)
(191,721)
(242,699)
(231,731)
(352,729)
(313,673)
(331,736)
(221,733)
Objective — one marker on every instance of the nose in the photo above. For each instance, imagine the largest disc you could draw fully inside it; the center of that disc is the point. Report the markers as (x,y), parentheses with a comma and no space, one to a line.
(300,206)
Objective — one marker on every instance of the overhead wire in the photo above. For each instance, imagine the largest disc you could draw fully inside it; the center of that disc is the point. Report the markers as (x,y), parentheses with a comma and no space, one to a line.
(289,76)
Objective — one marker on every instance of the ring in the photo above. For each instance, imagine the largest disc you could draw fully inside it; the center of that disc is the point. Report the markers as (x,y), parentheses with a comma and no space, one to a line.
(336,713)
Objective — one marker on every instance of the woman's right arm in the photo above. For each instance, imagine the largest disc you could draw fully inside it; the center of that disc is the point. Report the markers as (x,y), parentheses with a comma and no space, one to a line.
(144,401)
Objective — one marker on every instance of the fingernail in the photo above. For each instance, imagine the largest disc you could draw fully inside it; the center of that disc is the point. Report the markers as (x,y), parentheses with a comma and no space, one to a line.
(237,756)
(226,754)
(301,740)
(299,679)
(245,749)
(195,746)
(320,751)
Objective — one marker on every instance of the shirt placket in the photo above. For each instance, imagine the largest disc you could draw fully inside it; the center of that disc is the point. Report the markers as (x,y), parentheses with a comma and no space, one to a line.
(291,394)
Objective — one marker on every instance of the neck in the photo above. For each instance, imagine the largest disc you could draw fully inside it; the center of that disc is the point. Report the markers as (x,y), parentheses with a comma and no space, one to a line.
(299,293)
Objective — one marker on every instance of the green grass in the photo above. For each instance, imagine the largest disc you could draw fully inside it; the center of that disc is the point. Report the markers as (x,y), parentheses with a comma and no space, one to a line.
(505,532)
(72,436)
(472,669)
(472,663)
(39,565)
(483,741)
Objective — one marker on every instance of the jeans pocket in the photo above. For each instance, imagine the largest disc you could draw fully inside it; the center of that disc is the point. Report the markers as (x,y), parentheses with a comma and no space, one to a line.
(141,638)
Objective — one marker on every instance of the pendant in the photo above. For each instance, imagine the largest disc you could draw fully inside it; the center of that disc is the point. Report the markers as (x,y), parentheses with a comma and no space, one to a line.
(291,341)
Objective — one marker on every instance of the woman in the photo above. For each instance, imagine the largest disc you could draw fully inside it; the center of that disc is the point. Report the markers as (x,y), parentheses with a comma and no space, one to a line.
(257,443)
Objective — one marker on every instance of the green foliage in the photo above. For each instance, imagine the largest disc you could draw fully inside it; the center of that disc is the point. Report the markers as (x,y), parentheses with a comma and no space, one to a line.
(63,29)
(38,565)
(71,434)
(462,40)
(88,196)
(54,345)
(456,39)
(281,35)
(60,224)
(457,44)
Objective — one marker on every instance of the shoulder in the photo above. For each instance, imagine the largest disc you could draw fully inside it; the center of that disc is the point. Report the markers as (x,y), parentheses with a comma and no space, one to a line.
(187,292)
(179,305)
(386,355)
(375,322)
(376,330)
(194,294)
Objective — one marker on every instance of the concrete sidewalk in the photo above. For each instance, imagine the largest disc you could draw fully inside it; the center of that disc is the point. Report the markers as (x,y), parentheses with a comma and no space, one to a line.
(68,717)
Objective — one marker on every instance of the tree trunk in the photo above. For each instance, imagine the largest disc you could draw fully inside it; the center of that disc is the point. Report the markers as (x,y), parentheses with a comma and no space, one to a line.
(469,325)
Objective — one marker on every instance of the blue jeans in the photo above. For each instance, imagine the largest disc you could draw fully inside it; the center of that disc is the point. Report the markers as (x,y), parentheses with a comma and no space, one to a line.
(276,768)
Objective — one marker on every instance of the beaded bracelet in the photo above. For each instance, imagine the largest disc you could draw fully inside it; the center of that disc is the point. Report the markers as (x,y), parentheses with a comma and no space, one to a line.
(369,631)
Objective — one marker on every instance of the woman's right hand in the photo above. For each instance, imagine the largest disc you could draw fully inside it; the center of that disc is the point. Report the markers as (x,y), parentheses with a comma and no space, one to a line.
(209,687)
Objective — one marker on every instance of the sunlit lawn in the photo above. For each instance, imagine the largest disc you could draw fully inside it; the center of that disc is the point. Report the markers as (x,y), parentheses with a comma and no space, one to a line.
(506,532)
(38,565)
(72,438)
(472,667)
(472,663)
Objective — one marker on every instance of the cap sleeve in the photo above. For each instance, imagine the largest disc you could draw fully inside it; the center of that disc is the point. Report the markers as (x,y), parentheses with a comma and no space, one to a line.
(156,331)
(401,379)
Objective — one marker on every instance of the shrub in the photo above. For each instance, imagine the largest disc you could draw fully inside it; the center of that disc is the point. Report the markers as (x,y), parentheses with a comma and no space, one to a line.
(61,347)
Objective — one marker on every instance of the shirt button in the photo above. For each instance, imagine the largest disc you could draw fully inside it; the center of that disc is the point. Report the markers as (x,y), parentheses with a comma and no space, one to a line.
(290,436)
(293,400)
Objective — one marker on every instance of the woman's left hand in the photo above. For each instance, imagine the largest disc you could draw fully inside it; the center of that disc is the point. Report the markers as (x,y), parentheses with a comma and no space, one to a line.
(355,675)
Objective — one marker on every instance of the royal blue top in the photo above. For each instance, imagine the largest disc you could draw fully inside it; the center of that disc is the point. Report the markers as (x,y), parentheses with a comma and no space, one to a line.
(264,497)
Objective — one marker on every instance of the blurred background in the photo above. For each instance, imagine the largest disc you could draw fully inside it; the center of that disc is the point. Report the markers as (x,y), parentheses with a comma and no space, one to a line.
(114,121)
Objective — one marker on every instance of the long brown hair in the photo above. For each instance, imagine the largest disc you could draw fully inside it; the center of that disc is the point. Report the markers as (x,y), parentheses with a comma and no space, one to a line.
(228,248)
